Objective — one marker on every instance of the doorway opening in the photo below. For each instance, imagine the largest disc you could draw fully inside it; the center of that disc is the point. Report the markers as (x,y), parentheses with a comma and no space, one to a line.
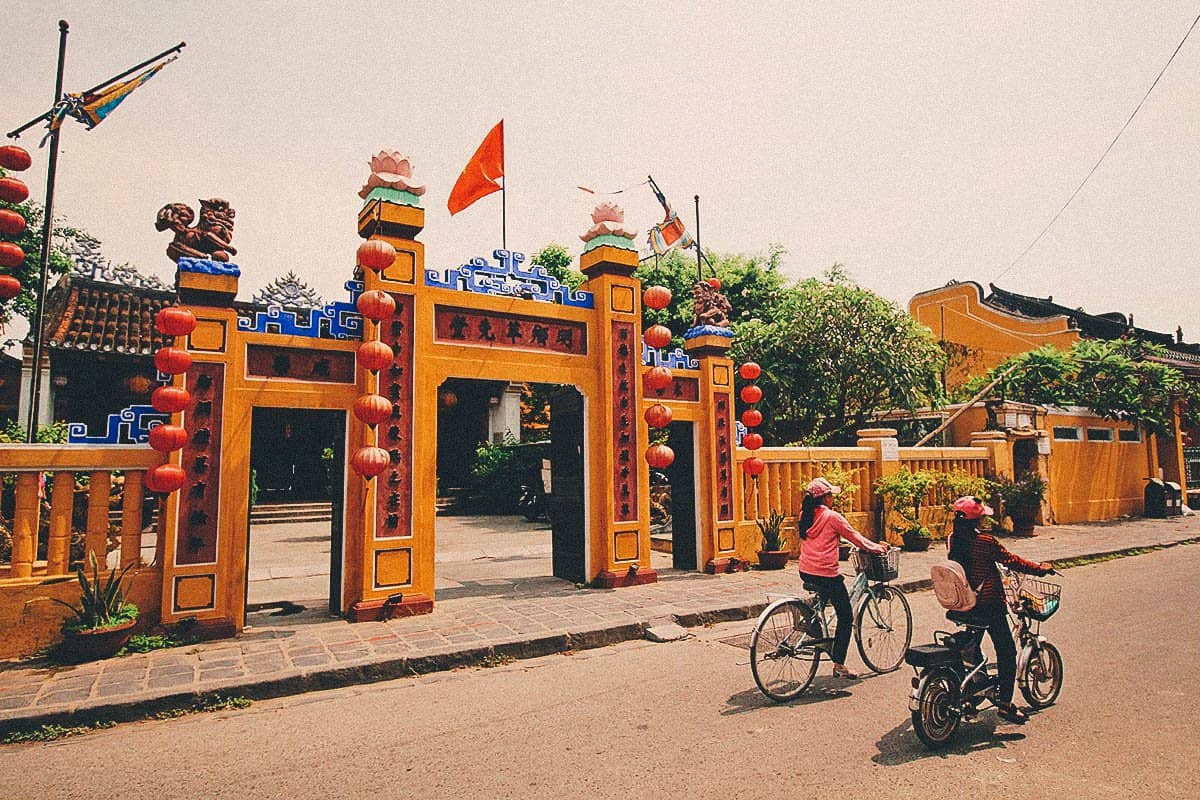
(511,485)
(294,546)
(673,523)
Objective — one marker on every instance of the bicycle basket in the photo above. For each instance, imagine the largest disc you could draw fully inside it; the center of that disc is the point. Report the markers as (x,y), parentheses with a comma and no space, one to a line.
(1036,598)
(878,567)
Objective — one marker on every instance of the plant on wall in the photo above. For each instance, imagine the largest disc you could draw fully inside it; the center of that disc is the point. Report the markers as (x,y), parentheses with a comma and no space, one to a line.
(902,493)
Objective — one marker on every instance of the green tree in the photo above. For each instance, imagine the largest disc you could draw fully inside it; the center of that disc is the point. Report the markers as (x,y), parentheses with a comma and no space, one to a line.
(559,263)
(833,354)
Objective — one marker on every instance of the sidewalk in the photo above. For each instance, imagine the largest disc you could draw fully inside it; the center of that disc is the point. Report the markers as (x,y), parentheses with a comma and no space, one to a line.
(537,616)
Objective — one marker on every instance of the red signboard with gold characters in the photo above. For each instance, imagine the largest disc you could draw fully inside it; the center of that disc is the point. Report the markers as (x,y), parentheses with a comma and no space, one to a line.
(510,331)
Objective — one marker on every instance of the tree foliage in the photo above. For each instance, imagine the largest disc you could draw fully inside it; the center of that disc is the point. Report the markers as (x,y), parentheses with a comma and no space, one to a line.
(559,263)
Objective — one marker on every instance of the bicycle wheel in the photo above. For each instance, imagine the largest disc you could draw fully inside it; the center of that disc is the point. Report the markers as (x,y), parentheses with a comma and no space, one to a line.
(1041,675)
(782,656)
(936,717)
(883,629)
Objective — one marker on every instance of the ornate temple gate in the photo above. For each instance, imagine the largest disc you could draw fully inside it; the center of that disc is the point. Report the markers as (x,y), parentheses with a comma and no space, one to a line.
(478,321)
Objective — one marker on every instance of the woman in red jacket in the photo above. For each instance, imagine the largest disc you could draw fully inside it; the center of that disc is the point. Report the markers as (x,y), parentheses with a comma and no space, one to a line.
(822,529)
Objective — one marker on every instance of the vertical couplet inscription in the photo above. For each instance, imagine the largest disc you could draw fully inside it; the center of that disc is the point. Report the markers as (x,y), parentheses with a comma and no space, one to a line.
(625,474)
(724,456)
(393,497)
(196,542)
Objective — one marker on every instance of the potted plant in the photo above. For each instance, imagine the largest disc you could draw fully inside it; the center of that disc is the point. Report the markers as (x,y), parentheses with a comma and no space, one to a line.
(1022,500)
(916,537)
(103,621)
(902,492)
(774,553)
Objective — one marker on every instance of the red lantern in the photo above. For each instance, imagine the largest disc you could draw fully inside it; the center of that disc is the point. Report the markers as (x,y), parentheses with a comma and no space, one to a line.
(13,190)
(173,360)
(660,456)
(175,321)
(750,394)
(165,478)
(657,379)
(749,371)
(11,223)
(714,283)
(658,416)
(374,355)
(370,461)
(376,305)
(15,158)
(657,297)
(752,418)
(752,441)
(753,466)
(376,255)
(165,438)
(657,336)
(170,399)
(372,408)
(10,287)
(11,255)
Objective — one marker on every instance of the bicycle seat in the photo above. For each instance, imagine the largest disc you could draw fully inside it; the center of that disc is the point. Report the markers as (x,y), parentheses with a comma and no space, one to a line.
(965,618)
(808,587)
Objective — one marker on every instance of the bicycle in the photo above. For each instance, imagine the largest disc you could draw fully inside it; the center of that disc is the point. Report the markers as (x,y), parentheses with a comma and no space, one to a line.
(950,686)
(793,632)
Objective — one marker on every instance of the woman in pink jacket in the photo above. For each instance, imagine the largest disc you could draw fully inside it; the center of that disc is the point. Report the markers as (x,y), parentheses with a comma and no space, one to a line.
(822,529)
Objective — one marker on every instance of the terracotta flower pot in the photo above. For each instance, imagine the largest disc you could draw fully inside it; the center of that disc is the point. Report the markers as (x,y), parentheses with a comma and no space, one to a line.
(916,544)
(91,645)
(1023,520)
(773,559)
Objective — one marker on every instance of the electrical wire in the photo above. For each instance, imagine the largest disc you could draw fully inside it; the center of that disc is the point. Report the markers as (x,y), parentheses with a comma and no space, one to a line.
(1096,166)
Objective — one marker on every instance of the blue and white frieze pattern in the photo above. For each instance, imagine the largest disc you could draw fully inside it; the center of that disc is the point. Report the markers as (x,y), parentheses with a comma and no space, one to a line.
(671,359)
(208,267)
(128,426)
(708,330)
(337,320)
(741,431)
(508,279)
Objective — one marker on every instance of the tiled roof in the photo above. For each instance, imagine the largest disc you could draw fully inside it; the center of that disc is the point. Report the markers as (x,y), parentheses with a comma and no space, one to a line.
(103,317)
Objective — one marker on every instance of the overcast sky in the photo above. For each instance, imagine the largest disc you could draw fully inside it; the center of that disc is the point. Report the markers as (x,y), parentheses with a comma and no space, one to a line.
(915,143)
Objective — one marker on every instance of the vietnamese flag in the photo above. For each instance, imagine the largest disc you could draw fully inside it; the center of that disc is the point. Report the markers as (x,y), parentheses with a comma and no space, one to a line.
(480,177)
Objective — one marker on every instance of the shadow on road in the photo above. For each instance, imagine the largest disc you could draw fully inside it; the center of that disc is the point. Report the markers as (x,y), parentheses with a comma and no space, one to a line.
(900,745)
(821,691)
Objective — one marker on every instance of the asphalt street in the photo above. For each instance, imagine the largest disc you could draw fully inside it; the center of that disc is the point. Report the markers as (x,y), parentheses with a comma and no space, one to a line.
(685,719)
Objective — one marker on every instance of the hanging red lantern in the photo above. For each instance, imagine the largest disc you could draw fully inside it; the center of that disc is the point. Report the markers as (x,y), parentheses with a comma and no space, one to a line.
(376,255)
(749,371)
(370,461)
(173,360)
(657,379)
(10,287)
(11,255)
(175,321)
(374,355)
(165,438)
(372,408)
(15,158)
(660,456)
(376,305)
(13,190)
(752,418)
(658,336)
(750,394)
(752,441)
(170,399)
(658,416)
(714,282)
(657,297)
(165,478)
(11,223)
(753,466)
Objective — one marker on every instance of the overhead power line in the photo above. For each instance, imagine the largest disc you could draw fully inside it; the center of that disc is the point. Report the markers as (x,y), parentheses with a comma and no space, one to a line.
(1096,166)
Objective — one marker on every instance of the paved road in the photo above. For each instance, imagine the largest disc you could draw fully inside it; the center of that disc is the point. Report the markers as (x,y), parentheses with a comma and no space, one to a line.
(641,719)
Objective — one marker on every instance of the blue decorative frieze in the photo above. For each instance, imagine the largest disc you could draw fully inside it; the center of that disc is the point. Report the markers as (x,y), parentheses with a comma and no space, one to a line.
(708,330)
(337,320)
(741,431)
(209,267)
(128,426)
(671,359)
(508,279)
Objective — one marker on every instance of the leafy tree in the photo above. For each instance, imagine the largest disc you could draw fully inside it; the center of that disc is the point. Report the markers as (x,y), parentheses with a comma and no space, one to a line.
(832,354)
(559,263)
(30,240)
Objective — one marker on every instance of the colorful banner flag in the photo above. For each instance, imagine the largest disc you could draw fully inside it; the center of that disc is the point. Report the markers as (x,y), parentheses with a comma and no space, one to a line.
(481,175)
(94,107)
(671,232)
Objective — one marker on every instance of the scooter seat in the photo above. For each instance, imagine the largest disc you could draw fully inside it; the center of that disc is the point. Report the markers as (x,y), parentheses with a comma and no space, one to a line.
(965,618)
(929,655)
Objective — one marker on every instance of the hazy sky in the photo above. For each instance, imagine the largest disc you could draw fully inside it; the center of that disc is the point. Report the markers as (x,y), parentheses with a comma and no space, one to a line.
(915,143)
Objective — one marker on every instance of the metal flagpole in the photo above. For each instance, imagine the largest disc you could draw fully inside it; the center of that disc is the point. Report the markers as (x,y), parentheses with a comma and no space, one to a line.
(503,212)
(47,233)
(699,269)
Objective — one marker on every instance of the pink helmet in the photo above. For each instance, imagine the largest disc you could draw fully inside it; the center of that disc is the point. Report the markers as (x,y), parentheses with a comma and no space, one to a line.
(972,507)
(819,487)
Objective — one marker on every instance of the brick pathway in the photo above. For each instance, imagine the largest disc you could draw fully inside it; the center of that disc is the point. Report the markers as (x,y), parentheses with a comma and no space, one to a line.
(312,650)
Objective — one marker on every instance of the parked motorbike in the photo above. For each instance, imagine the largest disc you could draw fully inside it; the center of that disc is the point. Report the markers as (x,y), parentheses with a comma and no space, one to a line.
(532,502)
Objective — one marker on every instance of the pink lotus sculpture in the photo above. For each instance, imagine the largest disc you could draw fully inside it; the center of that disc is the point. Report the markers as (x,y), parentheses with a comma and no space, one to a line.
(608,219)
(391,170)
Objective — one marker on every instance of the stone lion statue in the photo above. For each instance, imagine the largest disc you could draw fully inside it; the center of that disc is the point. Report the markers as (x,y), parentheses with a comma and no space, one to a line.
(711,307)
(211,237)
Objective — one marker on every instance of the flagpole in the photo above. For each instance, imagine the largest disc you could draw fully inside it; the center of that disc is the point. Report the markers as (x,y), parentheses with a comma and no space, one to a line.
(699,269)
(135,68)
(47,233)
(503,213)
